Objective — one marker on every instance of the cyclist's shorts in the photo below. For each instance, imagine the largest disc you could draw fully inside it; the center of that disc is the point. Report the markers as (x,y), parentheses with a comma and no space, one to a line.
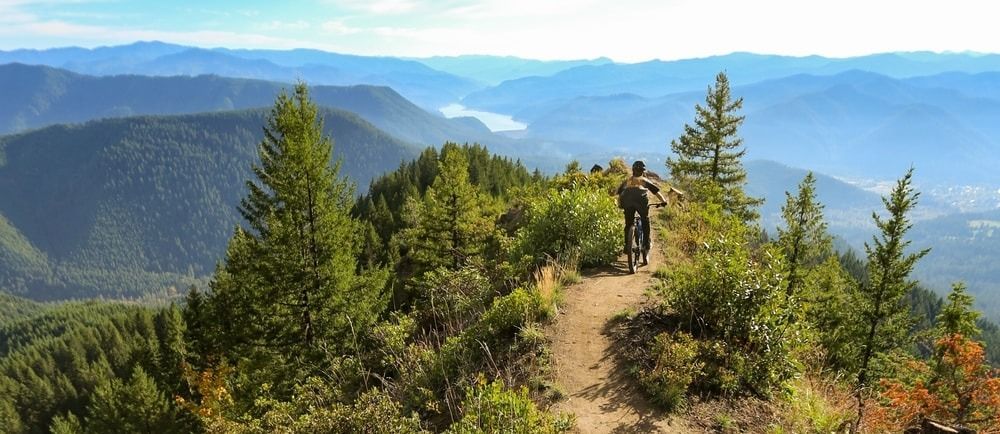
(634,198)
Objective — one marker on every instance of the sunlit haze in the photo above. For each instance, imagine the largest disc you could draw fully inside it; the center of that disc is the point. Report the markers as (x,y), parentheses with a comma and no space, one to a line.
(624,30)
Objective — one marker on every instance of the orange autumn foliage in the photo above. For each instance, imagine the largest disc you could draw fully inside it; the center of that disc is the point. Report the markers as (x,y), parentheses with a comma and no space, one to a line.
(956,387)
(209,390)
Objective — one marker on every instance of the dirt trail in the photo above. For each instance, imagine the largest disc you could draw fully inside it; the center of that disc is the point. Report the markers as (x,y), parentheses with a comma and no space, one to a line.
(599,391)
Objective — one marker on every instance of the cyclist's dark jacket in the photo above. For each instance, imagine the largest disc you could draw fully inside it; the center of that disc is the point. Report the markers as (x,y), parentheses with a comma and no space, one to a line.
(633,192)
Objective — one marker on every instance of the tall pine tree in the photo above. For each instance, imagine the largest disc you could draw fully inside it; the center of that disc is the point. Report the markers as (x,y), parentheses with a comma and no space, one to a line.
(883,314)
(290,281)
(709,153)
(449,225)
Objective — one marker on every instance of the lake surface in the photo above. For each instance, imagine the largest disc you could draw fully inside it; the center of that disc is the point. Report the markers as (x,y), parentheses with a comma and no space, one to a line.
(493,121)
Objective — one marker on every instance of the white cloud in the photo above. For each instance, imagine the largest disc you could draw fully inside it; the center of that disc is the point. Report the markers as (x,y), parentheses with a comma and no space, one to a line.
(10,13)
(85,35)
(379,7)
(340,28)
(636,30)
(525,9)
(286,25)
(626,30)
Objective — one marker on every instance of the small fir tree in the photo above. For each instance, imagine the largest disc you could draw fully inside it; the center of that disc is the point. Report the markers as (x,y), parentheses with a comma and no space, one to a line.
(68,424)
(957,316)
(804,239)
(710,151)
(883,315)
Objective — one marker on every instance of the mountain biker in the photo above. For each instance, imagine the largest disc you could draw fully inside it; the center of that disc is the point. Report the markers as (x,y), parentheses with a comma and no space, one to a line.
(633,198)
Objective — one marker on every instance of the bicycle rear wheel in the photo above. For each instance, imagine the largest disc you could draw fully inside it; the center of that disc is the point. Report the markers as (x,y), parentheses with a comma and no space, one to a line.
(634,249)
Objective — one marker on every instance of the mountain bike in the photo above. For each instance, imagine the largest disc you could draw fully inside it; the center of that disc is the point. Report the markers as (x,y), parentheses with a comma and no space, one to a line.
(634,241)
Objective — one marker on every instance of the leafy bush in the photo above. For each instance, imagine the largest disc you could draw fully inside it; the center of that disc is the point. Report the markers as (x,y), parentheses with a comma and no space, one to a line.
(450,300)
(498,323)
(316,409)
(492,408)
(674,369)
(423,372)
(583,223)
(733,300)
(695,224)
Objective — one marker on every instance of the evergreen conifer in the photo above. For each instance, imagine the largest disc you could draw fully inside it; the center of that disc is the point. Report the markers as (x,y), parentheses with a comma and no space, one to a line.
(290,279)
(710,151)
(450,224)
(883,315)
(804,239)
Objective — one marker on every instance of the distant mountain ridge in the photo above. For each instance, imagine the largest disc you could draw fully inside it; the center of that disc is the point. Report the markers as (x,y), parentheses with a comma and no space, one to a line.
(427,87)
(38,96)
(121,207)
(41,95)
(854,124)
(658,78)
(493,70)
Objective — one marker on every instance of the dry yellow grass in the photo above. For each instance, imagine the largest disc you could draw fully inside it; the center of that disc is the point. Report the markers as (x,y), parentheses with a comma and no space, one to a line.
(550,280)
(548,286)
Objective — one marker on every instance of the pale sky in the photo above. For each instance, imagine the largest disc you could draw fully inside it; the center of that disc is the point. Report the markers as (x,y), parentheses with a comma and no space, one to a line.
(624,30)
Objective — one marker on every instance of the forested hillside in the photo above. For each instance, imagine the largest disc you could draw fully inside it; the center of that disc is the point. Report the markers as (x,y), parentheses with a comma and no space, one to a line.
(425,304)
(296,330)
(964,247)
(14,308)
(133,206)
(41,95)
(101,361)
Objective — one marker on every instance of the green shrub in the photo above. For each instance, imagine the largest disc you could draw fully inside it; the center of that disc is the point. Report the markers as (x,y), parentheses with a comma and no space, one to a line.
(424,374)
(314,410)
(497,324)
(492,408)
(373,412)
(582,223)
(817,405)
(450,300)
(390,341)
(674,369)
(733,300)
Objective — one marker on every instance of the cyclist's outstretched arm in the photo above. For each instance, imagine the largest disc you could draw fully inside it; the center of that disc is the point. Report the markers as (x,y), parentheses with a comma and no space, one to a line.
(659,195)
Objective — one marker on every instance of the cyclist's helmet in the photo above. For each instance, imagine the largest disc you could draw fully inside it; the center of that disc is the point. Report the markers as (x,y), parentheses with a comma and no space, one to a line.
(638,166)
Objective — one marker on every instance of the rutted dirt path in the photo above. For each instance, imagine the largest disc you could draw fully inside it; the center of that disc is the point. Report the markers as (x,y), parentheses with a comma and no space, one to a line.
(599,391)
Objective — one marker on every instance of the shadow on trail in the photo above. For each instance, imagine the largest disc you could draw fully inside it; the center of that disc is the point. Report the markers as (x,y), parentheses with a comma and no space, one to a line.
(620,390)
(617,268)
